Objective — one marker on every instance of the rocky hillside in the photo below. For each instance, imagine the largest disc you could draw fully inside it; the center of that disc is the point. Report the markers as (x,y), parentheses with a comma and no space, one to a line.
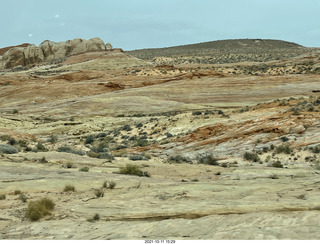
(48,51)
(225,51)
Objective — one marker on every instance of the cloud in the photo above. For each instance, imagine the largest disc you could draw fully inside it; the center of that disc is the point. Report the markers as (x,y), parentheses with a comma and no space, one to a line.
(30,35)
(57,16)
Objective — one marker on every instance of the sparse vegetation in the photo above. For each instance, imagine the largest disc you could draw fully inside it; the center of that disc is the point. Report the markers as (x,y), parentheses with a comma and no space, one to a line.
(17,192)
(43,160)
(84,169)
(131,169)
(99,192)
(109,184)
(69,165)
(251,156)
(41,148)
(2,196)
(69,187)
(208,159)
(8,149)
(277,164)
(23,197)
(40,208)
(178,159)
(274,176)
(283,149)
(68,149)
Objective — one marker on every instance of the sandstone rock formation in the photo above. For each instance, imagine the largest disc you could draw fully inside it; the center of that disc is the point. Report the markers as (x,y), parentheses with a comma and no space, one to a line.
(49,51)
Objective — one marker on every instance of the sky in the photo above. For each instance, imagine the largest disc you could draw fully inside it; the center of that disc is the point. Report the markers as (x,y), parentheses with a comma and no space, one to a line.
(136,24)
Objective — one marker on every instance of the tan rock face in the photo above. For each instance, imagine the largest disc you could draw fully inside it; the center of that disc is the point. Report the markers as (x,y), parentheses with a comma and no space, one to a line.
(33,55)
(13,57)
(48,51)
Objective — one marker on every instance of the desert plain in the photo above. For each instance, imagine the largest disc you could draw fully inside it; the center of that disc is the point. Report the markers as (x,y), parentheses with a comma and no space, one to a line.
(210,141)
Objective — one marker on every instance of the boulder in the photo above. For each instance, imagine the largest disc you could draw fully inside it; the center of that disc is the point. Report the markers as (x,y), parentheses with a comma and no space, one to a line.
(33,55)
(109,46)
(13,57)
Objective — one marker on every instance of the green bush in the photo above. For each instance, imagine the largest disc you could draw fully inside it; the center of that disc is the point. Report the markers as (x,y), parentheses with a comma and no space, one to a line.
(2,196)
(41,148)
(277,164)
(316,149)
(68,149)
(178,159)
(133,170)
(283,149)
(53,139)
(89,139)
(142,142)
(69,187)
(109,184)
(43,160)
(39,208)
(69,165)
(8,149)
(251,157)
(23,197)
(137,157)
(84,169)
(17,192)
(208,159)
(99,192)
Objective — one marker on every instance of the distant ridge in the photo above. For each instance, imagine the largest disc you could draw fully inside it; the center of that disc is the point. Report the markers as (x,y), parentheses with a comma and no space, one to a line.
(278,49)
(235,44)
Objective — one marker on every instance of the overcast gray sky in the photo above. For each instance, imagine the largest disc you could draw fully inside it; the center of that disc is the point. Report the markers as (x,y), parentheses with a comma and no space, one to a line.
(135,24)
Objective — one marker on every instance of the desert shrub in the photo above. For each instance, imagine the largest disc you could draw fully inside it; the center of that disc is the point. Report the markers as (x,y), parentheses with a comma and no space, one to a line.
(208,159)
(284,138)
(137,157)
(53,139)
(130,169)
(69,187)
(96,217)
(39,208)
(102,155)
(139,125)
(251,157)
(2,196)
(41,148)
(196,113)
(277,164)
(101,135)
(274,176)
(316,149)
(102,147)
(68,149)
(126,128)
(23,197)
(89,139)
(84,169)
(178,159)
(283,149)
(120,153)
(12,141)
(43,160)
(109,184)
(8,149)
(99,192)
(17,192)
(142,142)
(22,143)
(69,165)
